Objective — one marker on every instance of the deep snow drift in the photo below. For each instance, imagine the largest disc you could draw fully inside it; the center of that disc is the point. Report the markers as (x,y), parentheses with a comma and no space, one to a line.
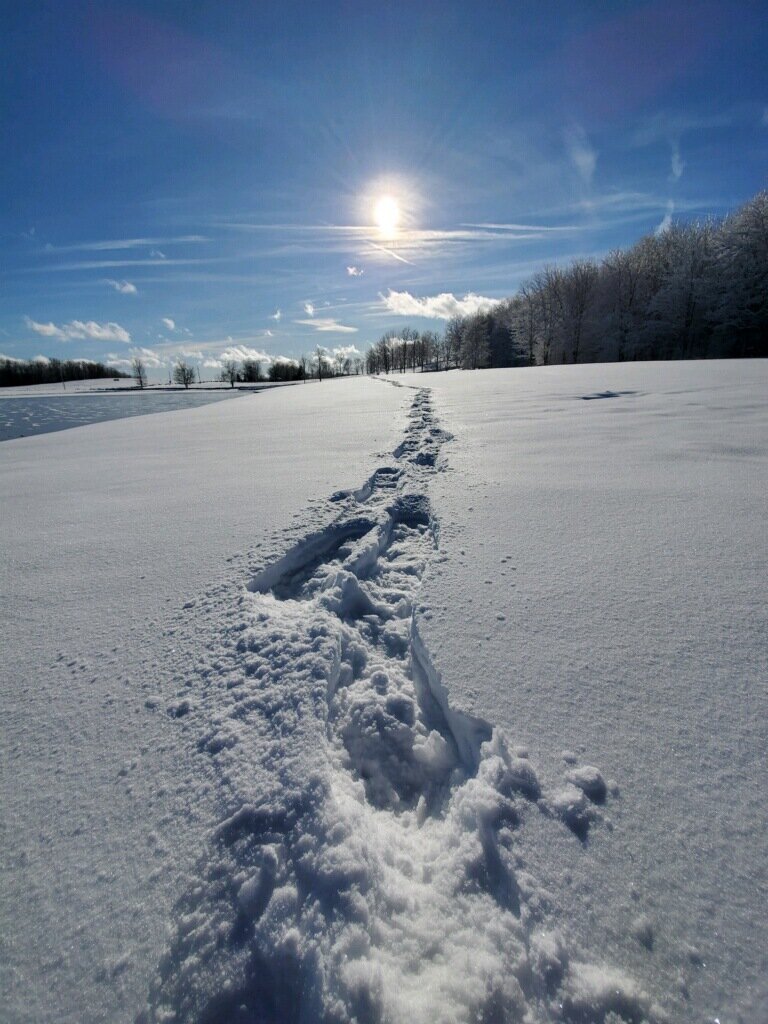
(468,742)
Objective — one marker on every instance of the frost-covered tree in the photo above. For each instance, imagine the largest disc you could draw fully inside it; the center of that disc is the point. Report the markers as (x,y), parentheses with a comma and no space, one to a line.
(475,351)
(740,299)
(578,285)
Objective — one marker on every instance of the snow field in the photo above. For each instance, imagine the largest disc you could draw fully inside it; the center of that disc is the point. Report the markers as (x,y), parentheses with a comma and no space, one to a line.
(603,598)
(120,542)
(359,751)
(368,868)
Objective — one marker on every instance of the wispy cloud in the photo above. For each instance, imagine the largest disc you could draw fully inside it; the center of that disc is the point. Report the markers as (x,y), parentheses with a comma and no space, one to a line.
(276,316)
(124,287)
(123,243)
(677,162)
(309,309)
(355,271)
(437,307)
(169,323)
(90,329)
(523,227)
(665,125)
(327,324)
(157,254)
(581,153)
(666,221)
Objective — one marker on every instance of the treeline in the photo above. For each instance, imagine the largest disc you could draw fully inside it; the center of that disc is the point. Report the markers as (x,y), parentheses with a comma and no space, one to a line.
(317,366)
(690,291)
(16,372)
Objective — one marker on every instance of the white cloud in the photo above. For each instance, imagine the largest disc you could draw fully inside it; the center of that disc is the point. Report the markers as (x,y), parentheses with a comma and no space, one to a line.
(170,324)
(124,287)
(346,351)
(97,332)
(80,329)
(151,359)
(212,364)
(677,162)
(581,153)
(156,254)
(241,352)
(285,361)
(268,334)
(327,324)
(191,353)
(437,307)
(666,221)
(309,309)
(276,316)
(49,330)
(355,271)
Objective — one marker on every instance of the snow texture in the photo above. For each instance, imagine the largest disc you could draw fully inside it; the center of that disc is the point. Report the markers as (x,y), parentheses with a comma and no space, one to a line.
(368,868)
(480,738)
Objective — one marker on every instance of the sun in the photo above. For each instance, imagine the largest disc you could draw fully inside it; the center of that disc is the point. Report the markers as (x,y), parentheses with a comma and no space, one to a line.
(386,214)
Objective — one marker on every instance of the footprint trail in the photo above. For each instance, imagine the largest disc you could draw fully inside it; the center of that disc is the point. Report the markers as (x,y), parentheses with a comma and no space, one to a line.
(367,868)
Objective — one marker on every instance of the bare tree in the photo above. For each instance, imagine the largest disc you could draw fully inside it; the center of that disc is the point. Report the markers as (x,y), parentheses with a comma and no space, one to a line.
(320,360)
(139,371)
(230,372)
(184,373)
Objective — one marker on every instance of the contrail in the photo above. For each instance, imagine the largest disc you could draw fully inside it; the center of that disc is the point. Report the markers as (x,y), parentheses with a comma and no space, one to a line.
(391,253)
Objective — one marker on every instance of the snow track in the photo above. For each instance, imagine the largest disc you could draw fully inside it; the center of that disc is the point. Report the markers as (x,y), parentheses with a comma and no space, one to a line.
(367,867)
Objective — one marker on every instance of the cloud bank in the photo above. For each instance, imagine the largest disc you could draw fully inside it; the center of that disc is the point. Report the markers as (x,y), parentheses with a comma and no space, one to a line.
(437,307)
(80,329)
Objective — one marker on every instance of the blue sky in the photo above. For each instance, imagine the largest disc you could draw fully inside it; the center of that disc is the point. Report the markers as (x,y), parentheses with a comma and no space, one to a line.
(201,178)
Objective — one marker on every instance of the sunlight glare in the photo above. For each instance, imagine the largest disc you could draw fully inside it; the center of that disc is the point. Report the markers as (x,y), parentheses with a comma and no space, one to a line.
(386,214)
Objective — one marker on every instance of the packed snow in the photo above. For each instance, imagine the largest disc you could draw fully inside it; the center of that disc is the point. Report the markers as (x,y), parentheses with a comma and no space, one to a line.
(478,736)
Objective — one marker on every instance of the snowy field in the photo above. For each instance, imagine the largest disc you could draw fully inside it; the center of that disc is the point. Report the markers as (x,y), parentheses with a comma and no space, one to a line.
(439,698)
(24,417)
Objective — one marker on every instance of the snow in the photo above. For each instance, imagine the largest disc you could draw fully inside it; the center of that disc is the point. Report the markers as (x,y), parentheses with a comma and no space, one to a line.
(441,701)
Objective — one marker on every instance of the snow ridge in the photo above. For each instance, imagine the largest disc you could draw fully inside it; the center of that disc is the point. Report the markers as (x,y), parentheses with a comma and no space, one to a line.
(367,870)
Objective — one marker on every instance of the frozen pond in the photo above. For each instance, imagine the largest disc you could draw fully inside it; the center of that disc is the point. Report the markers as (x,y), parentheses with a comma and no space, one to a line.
(24,416)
